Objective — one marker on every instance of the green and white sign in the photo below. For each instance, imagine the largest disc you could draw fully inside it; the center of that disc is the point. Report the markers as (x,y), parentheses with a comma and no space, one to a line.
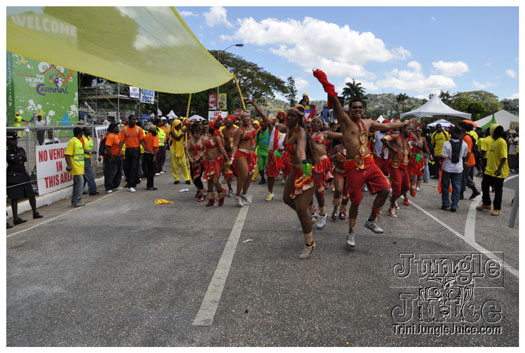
(40,88)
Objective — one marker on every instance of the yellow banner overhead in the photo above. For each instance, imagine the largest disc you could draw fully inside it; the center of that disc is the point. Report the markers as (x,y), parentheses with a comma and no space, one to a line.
(146,47)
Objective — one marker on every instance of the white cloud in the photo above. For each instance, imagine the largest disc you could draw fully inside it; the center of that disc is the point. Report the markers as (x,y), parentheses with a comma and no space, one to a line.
(187,13)
(301,84)
(312,43)
(485,85)
(433,19)
(451,68)
(413,79)
(515,96)
(511,73)
(216,16)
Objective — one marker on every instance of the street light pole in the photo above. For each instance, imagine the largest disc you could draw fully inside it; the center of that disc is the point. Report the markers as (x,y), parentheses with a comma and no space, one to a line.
(218,53)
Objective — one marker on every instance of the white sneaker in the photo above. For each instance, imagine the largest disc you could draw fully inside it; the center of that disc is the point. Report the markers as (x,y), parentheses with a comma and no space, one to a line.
(350,240)
(109,191)
(230,193)
(245,199)
(365,188)
(117,188)
(314,217)
(269,197)
(417,188)
(162,172)
(238,201)
(321,221)
(157,174)
(372,225)
(307,251)
(132,190)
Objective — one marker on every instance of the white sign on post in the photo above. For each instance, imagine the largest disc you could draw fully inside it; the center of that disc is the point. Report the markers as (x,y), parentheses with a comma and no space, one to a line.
(213,115)
(134,92)
(99,132)
(51,168)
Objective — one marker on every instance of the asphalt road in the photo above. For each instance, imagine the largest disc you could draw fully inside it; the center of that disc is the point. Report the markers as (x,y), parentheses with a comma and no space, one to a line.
(123,271)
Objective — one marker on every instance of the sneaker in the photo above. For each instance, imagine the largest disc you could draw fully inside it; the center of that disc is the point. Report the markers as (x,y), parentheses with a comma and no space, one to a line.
(216,203)
(373,226)
(392,212)
(37,215)
(188,182)
(117,188)
(307,251)
(418,188)
(79,204)
(176,182)
(94,193)
(109,191)
(396,205)
(334,215)
(365,188)
(245,200)
(162,172)
(406,202)
(221,201)
(157,174)
(152,188)
(445,208)
(412,192)
(495,213)
(475,193)
(269,197)
(262,182)
(19,220)
(483,207)
(350,240)
(342,214)
(132,189)
(230,192)
(321,221)
(453,209)
(238,201)
(314,217)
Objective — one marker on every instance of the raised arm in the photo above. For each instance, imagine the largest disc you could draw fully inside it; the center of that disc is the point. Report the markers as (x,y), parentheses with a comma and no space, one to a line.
(266,120)
(340,114)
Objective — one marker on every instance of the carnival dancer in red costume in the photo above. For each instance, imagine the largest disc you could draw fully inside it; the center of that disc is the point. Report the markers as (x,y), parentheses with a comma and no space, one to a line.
(338,158)
(300,185)
(227,133)
(195,153)
(215,158)
(421,148)
(359,166)
(323,167)
(399,159)
(278,158)
(244,157)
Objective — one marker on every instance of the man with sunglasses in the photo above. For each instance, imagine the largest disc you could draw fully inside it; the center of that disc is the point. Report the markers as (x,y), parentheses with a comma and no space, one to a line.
(359,165)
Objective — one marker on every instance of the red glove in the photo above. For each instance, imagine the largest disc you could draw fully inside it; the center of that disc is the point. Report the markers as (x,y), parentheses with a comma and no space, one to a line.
(327,86)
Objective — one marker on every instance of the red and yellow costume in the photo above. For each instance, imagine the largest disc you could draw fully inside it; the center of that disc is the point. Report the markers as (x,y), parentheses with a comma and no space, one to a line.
(399,173)
(214,166)
(323,167)
(301,183)
(251,156)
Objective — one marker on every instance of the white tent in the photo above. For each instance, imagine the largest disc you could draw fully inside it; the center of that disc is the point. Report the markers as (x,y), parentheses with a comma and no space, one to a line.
(435,108)
(444,123)
(380,119)
(503,117)
(171,114)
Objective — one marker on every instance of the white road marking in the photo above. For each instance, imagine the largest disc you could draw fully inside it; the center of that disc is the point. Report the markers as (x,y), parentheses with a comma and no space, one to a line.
(213,294)
(60,215)
(472,243)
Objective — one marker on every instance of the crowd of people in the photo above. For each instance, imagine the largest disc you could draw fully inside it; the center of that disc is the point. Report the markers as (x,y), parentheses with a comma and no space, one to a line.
(354,154)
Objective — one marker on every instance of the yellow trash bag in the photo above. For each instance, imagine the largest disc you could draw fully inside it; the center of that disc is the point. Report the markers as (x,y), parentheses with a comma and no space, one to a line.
(162,202)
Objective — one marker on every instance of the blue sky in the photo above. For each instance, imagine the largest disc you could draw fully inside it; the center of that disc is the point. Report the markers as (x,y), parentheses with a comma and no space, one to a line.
(413,50)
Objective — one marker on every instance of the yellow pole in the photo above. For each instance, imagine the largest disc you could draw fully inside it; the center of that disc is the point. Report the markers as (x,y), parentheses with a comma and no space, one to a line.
(240,93)
(186,137)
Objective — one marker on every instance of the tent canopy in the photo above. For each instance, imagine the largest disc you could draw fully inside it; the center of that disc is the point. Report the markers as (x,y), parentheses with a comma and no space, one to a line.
(436,108)
(146,47)
(444,123)
(171,114)
(502,117)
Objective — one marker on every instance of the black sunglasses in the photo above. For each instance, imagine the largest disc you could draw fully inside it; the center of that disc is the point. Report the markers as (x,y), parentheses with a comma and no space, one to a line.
(357,107)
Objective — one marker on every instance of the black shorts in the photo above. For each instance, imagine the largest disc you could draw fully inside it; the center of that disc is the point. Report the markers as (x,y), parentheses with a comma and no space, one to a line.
(20,191)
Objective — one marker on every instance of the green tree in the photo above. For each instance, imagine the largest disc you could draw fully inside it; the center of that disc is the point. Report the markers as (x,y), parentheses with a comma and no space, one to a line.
(446,97)
(461,101)
(477,109)
(401,99)
(292,91)
(511,105)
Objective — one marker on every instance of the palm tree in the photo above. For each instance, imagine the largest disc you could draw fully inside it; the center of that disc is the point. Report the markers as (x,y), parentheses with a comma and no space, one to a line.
(401,99)
(354,89)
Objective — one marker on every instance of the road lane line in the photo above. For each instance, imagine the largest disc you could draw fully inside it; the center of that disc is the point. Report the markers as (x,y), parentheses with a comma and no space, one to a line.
(472,243)
(60,215)
(213,294)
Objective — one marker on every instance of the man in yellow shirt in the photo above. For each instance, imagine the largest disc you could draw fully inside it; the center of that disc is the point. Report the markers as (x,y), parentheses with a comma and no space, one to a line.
(496,171)
(178,158)
(75,165)
(438,139)
(484,144)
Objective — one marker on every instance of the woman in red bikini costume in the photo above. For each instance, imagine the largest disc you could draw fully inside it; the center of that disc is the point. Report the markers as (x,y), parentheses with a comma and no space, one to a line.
(244,157)
(324,167)
(338,158)
(214,161)
(300,185)
(195,153)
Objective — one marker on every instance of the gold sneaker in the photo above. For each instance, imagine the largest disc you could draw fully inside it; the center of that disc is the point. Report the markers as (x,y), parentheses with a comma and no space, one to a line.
(495,213)
(483,207)
(307,251)
(269,197)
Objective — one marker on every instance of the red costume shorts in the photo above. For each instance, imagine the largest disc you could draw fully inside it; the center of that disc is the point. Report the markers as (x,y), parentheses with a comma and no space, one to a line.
(356,177)
(302,184)
(212,167)
(251,158)
(323,167)
(273,166)
(400,179)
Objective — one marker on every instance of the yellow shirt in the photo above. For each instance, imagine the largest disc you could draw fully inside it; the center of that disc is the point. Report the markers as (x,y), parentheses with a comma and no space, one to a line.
(484,143)
(178,145)
(497,151)
(74,148)
(438,139)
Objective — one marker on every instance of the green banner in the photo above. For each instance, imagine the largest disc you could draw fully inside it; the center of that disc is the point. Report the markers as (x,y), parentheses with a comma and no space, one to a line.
(39,88)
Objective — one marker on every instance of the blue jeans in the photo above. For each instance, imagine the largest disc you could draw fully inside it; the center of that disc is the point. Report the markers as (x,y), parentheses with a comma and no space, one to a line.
(426,172)
(78,187)
(455,179)
(88,177)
